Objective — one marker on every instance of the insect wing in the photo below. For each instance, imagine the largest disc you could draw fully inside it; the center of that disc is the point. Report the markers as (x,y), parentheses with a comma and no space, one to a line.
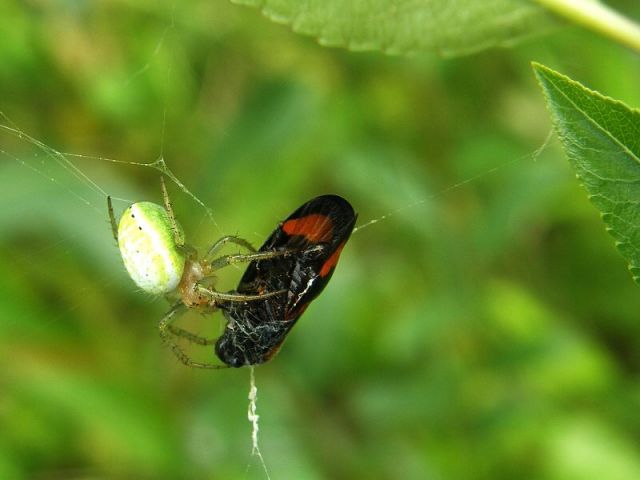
(310,239)
(315,235)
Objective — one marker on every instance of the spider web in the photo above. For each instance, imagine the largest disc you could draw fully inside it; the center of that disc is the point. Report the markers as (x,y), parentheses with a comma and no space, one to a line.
(533,156)
(52,164)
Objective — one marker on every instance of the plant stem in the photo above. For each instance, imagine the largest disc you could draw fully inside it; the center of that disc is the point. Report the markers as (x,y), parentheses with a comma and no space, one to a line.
(599,17)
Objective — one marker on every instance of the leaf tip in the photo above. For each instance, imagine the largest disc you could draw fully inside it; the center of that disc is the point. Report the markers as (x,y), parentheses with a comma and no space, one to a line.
(539,68)
(545,74)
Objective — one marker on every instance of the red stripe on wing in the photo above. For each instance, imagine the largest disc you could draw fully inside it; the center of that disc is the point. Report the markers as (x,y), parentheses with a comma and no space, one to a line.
(331,262)
(315,227)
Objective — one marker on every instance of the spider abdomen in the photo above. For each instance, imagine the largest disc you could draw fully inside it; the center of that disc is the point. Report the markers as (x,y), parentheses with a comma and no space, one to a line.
(148,248)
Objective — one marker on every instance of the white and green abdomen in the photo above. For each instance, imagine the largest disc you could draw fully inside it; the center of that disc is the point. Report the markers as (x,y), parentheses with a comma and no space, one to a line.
(148,248)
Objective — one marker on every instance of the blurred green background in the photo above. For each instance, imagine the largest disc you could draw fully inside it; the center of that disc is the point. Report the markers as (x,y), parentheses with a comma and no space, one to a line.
(491,331)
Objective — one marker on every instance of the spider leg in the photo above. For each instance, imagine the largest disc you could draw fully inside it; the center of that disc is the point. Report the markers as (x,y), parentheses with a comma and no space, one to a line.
(177,233)
(241,242)
(227,260)
(165,329)
(112,219)
(191,337)
(236,297)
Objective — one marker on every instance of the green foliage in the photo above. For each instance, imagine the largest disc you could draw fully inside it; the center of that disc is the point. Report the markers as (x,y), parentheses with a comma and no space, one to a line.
(602,139)
(485,330)
(449,27)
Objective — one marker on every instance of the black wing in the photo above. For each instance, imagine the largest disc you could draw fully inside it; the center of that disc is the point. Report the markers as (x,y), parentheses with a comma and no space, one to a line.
(315,235)
(312,238)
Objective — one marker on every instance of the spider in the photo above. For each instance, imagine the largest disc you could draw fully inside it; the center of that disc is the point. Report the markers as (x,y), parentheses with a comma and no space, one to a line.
(153,248)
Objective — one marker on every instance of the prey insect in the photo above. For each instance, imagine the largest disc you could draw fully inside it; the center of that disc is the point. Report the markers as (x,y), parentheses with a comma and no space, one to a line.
(282,278)
(317,232)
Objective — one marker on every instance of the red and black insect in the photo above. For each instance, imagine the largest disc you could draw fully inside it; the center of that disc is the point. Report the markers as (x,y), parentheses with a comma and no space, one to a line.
(314,235)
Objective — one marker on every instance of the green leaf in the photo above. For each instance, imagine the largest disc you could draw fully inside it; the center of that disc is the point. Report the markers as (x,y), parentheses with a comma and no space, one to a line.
(449,27)
(602,139)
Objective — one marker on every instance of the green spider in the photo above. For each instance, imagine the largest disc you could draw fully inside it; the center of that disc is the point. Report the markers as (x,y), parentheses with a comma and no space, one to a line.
(158,260)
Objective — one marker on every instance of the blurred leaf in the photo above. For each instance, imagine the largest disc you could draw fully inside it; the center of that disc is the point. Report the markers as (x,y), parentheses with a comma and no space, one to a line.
(106,412)
(7,467)
(587,449)
(449,27)
(602,139)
